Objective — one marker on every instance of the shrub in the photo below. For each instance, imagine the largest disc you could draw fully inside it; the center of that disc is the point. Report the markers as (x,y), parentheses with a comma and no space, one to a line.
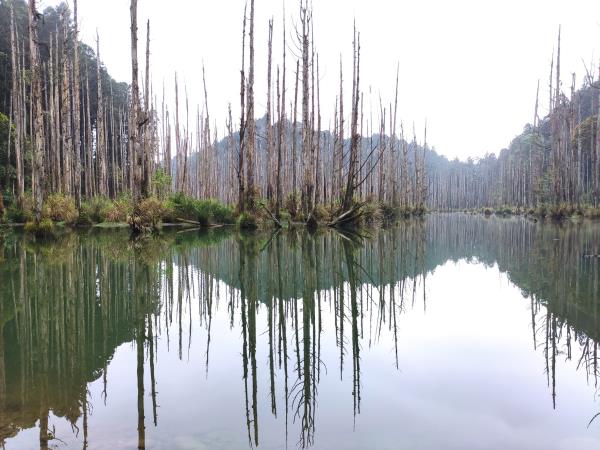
(247,221)
(151,211)
(561,211)
(60,208)
(221,214)
(119,210)
(592,213)
(372,213)
(182,206)
(24,215)
(419,210)
(202,211)
(541,211)
(389,212)
(162,181)
(291,203)
(487,211)
(321,214)
(84,218)
(44,229)
(96,209)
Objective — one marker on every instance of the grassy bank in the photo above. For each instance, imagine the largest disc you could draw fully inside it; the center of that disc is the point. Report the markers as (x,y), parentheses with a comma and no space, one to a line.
(152,213)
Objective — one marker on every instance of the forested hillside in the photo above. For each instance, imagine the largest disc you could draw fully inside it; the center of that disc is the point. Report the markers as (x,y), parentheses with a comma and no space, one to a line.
(555,161)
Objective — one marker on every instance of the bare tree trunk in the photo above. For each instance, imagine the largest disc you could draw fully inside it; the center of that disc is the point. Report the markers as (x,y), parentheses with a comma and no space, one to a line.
(355,138)
(100,129)
(18,109)
(318,197)
(134,138)
(67,143)
(307,150)
(76,109)
(269,125)
(250,122)
(240,167)
(89,177)
(394,142)
(37,111)
(294,146)
(340,134)
(597,171)
(147,158)
(178,157)
(281,142)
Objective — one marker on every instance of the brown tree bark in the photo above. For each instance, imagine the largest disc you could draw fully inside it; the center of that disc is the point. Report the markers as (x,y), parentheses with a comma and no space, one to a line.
(37,111)
(100,129)
(17,108)
(250,121)
(76,86)
(134,137)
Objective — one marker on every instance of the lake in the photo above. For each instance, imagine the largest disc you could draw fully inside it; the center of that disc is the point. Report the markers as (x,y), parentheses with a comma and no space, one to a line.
(453,332)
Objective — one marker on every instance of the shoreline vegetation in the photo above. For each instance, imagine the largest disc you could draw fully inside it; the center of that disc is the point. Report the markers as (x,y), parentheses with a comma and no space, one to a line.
(180,210)
(79,148)
(185,211)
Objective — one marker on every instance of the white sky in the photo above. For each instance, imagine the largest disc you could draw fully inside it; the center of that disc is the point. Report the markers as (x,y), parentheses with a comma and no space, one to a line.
(469,67)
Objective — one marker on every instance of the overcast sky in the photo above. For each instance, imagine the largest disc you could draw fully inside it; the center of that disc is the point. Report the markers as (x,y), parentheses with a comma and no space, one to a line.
(469,67)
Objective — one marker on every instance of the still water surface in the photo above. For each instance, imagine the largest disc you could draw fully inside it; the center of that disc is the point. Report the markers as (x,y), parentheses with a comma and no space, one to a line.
(457,332)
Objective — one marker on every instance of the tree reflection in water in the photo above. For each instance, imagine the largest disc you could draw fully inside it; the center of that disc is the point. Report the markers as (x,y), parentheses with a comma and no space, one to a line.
(66,305)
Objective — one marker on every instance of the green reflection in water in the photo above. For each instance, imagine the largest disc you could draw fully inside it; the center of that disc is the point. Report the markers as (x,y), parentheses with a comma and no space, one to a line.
(66,305)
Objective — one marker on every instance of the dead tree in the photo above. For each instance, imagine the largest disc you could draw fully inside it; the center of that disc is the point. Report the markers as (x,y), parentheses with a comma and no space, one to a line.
(268,124)
(250,122)
(17,103)
(37,111)
(100,129)
(307,148)
(294,207)
(242,144)
(134,137)
(76,109)
(281,140)
(147,158)
(354,137)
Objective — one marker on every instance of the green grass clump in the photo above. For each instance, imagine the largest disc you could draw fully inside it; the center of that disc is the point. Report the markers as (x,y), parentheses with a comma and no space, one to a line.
(247,221)
(592,213)
(43,229)
(541,211)
(151,211)
(389,212)
(15,214)
(371,213)
(118,211)
(291,204)
(558,212)
(96,209)
(60,208)
(182,206)
(206,212)
(321,214)
(404,212)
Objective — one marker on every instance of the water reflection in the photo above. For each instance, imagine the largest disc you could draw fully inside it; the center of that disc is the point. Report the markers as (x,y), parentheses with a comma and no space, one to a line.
(67,305)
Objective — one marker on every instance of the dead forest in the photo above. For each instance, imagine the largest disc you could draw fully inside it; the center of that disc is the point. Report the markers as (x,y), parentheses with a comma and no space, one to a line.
(78,147)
